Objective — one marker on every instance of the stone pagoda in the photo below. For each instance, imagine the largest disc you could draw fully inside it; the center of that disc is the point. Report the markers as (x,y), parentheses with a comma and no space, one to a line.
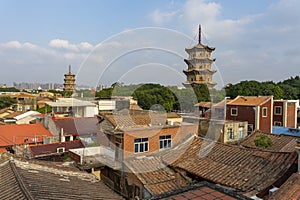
(69,84)
(199,65)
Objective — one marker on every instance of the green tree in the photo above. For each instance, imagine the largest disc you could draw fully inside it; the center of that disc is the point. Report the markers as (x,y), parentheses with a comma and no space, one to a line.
(263,141)
(105,93)
(202,92)
(6,101)
(150,94)
(9,89)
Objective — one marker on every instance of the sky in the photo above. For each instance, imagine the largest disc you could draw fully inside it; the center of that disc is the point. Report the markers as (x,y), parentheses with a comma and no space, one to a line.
(133,41)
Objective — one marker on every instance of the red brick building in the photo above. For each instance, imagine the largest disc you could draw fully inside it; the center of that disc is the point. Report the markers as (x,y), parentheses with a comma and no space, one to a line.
(136,133)
(285,113)
(256,110)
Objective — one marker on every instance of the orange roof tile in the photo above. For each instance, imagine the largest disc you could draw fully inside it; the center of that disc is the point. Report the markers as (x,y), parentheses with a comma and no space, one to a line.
(249,100)
(2,150)
(22,133)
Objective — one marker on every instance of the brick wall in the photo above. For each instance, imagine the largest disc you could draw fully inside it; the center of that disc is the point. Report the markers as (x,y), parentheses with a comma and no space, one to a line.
(265,122)
(178,133)
(291,115)
(277,117)
(245,113)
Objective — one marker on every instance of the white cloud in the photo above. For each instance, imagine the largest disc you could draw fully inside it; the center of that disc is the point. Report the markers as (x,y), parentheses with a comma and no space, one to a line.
(66,45)
(263,42)
(161,17)
(62,44)
(11,44)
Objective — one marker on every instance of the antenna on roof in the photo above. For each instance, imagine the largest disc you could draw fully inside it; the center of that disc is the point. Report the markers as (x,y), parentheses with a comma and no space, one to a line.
(199,34)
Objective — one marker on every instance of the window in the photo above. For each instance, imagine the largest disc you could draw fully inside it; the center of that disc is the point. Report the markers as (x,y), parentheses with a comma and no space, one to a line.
(278,110)
(230,134)
(165,141)
(141,145)
(234,111)
(277,123)
(60,150)
(250,128)
(264,111)
(241,132)
(67,138)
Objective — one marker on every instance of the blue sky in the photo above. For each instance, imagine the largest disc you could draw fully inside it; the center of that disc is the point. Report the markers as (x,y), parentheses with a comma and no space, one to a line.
(254,39)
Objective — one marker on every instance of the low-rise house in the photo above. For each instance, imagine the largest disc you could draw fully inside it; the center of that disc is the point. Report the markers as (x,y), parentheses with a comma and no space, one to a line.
(223,131)
(14,137)
(277,143)
(147,177)
(285,113)
(137,133)
(48,180)
(67,129)
(219,130)
(249,171)
(256,110)
(10,118)
(28,117)
(173,117)
(71,107)
(25,101)
(52,152)
(116,103)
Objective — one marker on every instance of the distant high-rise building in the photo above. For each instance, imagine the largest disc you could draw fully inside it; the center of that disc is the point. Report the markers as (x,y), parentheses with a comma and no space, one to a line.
(69,81)
(199,65)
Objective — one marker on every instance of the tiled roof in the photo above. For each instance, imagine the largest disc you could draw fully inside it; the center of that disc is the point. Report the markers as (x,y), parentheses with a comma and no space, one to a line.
(2,150)
(51,149)
(129,119)
(22,133)
(203,104)
(25,180)
(173,115)
(249,100)
(14,114)
(78,126)
(221,104)
(156,177)
(289,190)
(280,143)
(204,191)
(247,170)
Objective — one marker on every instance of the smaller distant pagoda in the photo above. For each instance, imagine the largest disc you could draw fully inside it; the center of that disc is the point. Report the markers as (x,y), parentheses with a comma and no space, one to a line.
(199,65)
(69,84)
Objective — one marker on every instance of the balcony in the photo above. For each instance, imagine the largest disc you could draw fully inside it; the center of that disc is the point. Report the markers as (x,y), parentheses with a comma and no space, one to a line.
(99,156)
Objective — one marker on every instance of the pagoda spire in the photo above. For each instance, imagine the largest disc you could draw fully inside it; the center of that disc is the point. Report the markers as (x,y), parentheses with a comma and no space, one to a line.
(199,34)
(69,69)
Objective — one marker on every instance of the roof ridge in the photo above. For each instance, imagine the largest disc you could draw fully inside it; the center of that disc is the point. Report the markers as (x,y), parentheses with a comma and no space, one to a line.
(20,181)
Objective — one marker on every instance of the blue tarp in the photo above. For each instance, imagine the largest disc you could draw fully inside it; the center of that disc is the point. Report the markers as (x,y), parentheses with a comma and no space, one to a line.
(279,130)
